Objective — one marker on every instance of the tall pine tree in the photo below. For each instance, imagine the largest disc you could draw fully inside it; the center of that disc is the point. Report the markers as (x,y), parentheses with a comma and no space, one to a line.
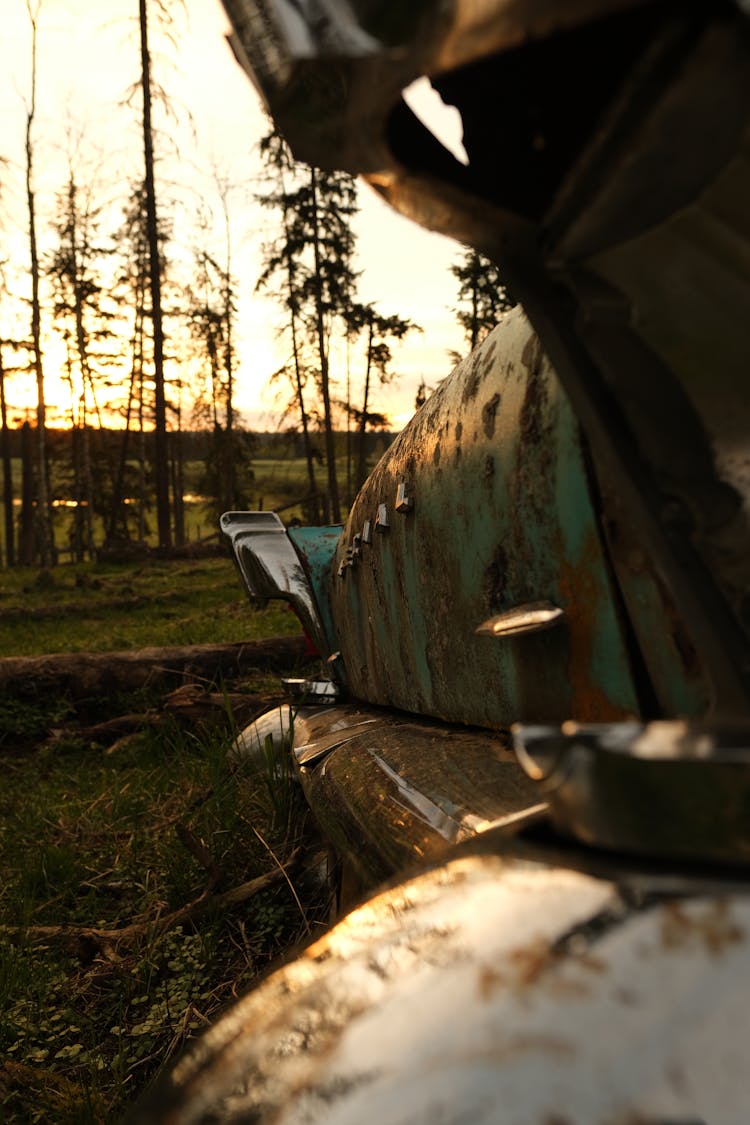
(482,296)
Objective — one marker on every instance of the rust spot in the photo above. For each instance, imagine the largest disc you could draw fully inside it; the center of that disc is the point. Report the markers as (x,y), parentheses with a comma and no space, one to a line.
(530,961)
(531,356)
(493,586)
(473,380)
(436,454)
(534,409)
(713,927)
(560,986)
(685,649)
(581,597)
(521,1044)
(459,431)
(342,1086)
(549,1044)
(489,467)
(594,964)
(489,415)
(319,952)
(489,981)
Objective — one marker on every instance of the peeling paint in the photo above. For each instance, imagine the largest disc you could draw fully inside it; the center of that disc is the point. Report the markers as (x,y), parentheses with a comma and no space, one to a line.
(505,525)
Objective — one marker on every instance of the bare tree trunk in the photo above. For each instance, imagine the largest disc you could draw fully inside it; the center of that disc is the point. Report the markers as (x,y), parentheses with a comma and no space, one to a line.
(88,485)
(87,492)
(313,485)
(28,549)
(361,439)
(348,493)
(178,486)
(43,517)
(306,440)
(10,538)
(136,375)
(75,537)
(231,468)
(333,484)
(161,454)
(141,467)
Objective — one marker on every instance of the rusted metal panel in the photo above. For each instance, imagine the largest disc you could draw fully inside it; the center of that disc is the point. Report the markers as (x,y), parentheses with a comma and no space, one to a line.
(493,989)
(675,669)
(500,515)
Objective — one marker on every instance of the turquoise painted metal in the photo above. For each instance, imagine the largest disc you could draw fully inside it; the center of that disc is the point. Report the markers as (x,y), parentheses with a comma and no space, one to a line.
(474,580)
(482,506)
(316,547)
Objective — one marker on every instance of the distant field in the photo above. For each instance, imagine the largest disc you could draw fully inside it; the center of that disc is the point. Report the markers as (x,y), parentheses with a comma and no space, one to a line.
(277,484)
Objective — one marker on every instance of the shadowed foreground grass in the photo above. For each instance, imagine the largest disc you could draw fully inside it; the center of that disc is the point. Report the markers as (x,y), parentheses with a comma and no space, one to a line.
(143,886)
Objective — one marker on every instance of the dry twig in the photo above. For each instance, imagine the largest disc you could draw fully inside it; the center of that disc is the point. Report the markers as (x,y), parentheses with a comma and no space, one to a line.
(87,942)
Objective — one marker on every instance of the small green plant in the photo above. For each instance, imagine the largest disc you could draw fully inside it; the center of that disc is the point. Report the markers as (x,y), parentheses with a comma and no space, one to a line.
(23,720)
(140,890)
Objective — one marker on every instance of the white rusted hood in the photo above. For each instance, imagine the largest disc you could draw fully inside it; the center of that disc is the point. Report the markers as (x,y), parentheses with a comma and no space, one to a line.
(491,990)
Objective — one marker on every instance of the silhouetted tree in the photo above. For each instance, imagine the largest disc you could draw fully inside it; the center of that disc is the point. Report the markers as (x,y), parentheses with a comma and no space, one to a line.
(482,296)
(161,451)
(312,263)
(380,330)
(283,271)
(44,533)
(211,310)
(82,320)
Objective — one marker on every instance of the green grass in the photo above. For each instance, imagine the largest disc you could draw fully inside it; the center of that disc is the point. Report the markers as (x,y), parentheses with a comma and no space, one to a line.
(98,607)
(106,840)
(87,840)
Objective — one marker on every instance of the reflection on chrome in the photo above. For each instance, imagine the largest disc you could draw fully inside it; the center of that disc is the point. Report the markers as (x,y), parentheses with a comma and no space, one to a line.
(271,568)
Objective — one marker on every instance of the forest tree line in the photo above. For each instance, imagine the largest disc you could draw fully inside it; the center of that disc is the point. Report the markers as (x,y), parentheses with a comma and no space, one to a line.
(140,317)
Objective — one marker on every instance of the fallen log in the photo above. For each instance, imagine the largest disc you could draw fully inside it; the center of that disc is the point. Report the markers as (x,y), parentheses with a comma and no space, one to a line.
(79,675)
(190,705)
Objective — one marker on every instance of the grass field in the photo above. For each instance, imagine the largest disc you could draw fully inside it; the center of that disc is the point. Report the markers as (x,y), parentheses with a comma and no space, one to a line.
(143,882)
(99,607)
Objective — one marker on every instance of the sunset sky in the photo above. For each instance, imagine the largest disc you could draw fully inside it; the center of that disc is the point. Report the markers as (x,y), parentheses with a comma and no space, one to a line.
(87,61)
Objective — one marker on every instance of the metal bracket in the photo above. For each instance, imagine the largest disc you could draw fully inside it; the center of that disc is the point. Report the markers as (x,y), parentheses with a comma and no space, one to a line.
(381,519)
(404,502)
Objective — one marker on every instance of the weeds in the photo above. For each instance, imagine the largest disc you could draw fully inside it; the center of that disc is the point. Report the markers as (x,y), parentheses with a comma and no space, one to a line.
(140,891)
(104,1016)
